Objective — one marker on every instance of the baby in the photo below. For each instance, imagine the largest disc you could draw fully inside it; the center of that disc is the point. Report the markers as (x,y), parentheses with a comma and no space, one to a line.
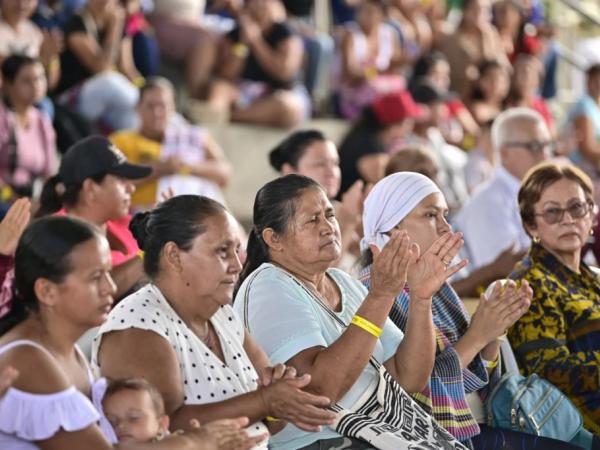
(136,410)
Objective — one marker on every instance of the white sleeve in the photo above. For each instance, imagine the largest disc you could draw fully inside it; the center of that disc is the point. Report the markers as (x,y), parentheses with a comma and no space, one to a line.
(35,417)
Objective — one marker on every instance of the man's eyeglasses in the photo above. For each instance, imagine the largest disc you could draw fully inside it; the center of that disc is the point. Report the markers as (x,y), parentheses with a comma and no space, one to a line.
(576,210)
(535,147)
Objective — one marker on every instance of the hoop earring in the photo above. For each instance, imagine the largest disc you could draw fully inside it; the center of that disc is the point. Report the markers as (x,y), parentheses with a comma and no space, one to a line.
(536,240)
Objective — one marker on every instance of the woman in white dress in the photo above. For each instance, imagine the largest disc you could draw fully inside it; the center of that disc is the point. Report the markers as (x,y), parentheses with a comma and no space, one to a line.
(181,334)
(62,270)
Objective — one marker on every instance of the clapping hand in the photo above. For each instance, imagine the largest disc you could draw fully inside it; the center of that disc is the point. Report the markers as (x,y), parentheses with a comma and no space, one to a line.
(390,265)
(431,269)
(274,373)
(13,224)
(506,304)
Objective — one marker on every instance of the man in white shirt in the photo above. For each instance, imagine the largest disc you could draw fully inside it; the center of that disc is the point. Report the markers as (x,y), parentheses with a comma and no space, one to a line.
(490,220)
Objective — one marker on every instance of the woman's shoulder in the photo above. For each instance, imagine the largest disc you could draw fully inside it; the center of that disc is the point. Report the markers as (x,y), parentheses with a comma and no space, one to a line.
(39,372)
(42,400)
(143,309)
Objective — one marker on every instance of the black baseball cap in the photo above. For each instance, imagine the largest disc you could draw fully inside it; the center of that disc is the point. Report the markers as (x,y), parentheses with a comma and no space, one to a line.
(97,155)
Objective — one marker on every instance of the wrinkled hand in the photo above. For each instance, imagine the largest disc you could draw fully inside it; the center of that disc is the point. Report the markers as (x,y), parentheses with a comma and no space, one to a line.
(501,310)
(13,224)
(390,265)
(270,374)
(285,400)
(225,434)
(432,269)
(7,377)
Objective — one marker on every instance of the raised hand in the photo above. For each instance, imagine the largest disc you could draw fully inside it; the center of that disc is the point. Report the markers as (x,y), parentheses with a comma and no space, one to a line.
(285,400)
(501,310)
(13,224)
(431,269)
(390,265)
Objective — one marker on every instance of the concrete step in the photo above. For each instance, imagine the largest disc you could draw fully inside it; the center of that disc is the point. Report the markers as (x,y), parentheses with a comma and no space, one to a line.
(248,147)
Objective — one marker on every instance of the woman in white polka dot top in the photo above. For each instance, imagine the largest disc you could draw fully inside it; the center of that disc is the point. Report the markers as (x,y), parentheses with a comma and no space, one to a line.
(181,334)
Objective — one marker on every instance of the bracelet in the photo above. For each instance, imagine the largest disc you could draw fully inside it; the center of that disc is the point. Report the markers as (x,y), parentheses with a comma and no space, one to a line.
(138,82)
(271,419)
(140,254)
(370,72)
(369,327)
(185,170)
(490,364)
(240,50)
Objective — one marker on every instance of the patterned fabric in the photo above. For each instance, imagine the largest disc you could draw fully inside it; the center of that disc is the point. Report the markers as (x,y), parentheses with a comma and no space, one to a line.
(444,396)
(559,337)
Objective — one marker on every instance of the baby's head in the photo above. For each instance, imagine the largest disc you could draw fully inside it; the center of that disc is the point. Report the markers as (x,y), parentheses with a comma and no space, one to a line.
(135,409)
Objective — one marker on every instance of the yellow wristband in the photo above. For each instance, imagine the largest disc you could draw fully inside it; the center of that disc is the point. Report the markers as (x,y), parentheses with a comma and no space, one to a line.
(240,50)
(6,194)
(185,170)
(370,72)
(271,419)
(140,254)
(138,82)
(369,327)
(490,364)
(54,64)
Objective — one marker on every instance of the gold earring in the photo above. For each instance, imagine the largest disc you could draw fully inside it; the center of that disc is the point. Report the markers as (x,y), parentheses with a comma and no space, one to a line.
(536,240)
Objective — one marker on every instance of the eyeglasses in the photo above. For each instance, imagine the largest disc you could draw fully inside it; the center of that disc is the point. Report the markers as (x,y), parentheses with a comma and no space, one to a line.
(535,147)
(576,210)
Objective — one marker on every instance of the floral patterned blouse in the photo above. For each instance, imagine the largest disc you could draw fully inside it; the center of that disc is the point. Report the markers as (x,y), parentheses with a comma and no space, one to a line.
(559,337)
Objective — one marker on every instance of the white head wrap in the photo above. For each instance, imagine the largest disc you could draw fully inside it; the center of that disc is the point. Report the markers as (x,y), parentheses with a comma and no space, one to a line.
(390,201)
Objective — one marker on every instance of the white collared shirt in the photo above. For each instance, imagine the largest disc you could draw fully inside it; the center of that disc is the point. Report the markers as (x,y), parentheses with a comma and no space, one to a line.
(490,220)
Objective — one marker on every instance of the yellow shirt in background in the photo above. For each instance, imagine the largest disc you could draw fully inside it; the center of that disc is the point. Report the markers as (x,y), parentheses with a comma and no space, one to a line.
(139,150)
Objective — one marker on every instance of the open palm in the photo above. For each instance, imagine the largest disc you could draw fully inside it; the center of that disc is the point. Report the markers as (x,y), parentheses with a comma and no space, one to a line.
(431,269)
(13,224)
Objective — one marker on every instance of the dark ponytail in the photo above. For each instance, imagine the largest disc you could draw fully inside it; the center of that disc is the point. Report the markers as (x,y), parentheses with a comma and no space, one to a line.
(292,148)
(179,219)
(274,207)
(44,251)
(57,194)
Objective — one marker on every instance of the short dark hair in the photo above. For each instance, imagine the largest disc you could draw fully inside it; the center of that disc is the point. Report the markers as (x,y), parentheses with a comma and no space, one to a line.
(139,385)
(13,64)
(541,176)
(292,148)
(179,219)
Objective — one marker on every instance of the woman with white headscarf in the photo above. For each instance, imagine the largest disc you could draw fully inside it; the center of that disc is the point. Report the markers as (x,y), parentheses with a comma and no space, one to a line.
(467,350)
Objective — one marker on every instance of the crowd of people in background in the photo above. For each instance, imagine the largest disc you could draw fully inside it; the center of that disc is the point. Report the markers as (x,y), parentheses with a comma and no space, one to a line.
(136,311)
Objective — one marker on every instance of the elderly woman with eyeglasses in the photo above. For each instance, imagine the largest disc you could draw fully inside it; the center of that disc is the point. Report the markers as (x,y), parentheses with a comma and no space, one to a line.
(559,337)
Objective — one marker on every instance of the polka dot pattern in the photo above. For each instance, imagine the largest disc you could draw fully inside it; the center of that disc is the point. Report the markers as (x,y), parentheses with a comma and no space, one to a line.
(205,377)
